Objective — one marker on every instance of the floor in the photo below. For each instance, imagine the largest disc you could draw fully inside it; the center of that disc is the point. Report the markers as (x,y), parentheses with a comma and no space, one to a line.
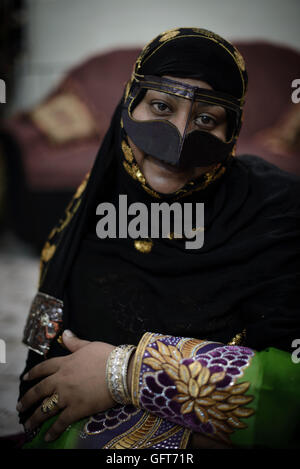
(19,268)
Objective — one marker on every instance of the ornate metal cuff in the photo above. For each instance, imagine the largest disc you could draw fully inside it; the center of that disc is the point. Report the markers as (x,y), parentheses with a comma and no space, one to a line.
(116,373)
(193,383)
(44,322)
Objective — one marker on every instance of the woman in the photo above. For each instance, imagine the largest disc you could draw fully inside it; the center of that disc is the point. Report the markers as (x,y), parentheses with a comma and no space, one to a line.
(213,325)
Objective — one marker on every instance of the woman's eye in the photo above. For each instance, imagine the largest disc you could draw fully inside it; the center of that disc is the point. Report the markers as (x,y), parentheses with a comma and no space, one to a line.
(160,107)
(204,120)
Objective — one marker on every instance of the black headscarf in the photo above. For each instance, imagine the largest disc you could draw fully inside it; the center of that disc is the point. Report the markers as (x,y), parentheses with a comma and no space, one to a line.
(246,275)
(188,52)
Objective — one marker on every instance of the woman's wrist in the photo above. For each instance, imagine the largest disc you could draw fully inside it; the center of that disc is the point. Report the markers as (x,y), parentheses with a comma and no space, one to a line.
(117,368)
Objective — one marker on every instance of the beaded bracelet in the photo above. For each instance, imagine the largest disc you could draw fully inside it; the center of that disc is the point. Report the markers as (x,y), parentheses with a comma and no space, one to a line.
(116,373)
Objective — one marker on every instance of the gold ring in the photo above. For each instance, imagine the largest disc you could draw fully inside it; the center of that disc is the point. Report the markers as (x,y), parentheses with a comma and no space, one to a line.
(49,403)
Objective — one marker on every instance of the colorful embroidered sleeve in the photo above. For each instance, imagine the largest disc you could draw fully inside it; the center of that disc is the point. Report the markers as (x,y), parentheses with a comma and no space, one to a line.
(229,393)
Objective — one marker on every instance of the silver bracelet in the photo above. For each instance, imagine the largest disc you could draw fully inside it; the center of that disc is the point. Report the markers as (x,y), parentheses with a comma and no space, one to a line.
(116,373)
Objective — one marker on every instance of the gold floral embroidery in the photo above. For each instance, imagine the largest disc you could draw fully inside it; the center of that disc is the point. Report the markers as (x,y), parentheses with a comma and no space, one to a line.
(196,391)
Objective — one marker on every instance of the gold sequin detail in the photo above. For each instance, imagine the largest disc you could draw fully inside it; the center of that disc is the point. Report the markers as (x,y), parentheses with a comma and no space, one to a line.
(151,192)
(210,177)
(134,172)
(127,151)
(144,246)
(169,35)
(238,338)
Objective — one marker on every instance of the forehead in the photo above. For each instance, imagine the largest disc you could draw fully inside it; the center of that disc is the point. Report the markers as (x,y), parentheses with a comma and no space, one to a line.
(190,81)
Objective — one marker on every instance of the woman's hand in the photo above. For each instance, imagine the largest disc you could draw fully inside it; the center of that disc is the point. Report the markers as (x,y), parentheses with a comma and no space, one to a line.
(79,381)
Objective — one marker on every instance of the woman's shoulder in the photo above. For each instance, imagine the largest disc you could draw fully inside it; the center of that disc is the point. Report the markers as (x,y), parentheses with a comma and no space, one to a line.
(269,179)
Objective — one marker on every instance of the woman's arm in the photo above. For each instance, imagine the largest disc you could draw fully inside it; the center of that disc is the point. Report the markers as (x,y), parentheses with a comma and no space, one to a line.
(229,394)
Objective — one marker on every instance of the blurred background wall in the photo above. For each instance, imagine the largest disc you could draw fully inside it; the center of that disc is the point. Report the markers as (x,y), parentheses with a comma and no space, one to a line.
(59,33)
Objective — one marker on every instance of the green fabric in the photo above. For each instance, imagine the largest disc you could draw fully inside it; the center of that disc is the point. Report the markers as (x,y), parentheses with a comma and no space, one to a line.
(67,440)
(275,386)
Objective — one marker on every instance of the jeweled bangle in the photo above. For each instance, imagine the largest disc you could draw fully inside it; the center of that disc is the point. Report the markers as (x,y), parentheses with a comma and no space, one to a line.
(116,373)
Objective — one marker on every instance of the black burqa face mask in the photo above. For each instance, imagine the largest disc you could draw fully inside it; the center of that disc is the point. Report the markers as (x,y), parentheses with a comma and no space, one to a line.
(161,139)
(184,54)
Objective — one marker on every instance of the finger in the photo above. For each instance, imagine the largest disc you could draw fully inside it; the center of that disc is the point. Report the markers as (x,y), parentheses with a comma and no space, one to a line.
(36,393)
(45,368)
(61,424)
(72,342)
(42,414)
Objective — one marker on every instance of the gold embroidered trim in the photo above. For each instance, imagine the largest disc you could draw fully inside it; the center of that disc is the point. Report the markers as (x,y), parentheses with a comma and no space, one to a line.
(210,177)
(137,363)
(239,60)
(134,171)
(48,252)
(127,151)
(140,436)
(209,34)
(238,338)
(137,436)
(169,34)
(49,249)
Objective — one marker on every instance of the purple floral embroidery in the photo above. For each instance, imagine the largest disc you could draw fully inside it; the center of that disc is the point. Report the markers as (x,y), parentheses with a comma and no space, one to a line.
(199,391)
(110,419)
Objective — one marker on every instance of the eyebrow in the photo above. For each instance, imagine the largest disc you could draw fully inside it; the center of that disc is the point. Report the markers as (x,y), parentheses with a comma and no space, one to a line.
(198,103)
(209,105)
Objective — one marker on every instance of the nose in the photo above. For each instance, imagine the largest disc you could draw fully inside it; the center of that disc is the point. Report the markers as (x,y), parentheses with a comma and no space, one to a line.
(182,118)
